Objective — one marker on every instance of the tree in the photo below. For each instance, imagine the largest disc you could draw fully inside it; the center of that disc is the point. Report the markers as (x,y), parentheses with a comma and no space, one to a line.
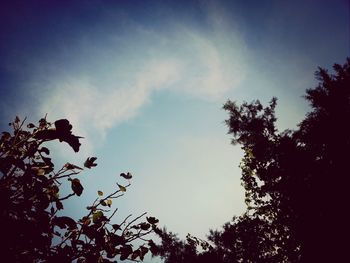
(33,225)
(295,182)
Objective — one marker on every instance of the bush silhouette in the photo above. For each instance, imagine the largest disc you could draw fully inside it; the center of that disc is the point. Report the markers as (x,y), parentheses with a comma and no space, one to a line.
(33,225)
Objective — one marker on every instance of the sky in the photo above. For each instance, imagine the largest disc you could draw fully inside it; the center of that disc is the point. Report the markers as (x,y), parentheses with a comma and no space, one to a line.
(144,83)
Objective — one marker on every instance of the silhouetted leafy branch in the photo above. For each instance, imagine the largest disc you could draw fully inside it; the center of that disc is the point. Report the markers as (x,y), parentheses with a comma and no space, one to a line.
(32,208)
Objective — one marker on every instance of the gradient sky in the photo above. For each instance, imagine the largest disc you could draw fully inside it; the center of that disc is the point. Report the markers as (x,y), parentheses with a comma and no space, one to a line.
(144,82)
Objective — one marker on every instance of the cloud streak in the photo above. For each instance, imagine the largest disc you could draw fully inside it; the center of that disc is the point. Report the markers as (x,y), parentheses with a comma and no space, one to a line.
(94,110)
(184,60)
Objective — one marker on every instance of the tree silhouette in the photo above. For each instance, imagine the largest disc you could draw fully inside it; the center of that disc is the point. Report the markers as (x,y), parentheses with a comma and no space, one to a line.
(33,225)
(295,183)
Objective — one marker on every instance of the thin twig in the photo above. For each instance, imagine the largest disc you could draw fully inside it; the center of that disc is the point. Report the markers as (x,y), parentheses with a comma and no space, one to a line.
(66,175)
(64,198)
(132,221)
(114,197)
(125,220)
(115,210)
(139,235)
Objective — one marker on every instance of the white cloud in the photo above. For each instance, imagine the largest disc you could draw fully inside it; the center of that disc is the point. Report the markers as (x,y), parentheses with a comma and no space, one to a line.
(213,69)
(94,109)
(185,60)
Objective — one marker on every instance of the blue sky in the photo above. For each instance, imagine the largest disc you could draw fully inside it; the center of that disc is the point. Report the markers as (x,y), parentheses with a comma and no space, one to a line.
(144,83)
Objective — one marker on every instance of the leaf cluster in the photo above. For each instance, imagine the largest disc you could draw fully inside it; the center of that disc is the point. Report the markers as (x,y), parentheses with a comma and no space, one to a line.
(32,208)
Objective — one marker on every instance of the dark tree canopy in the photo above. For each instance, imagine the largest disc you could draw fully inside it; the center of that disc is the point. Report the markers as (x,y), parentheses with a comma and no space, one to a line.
(295,184)
(33,225)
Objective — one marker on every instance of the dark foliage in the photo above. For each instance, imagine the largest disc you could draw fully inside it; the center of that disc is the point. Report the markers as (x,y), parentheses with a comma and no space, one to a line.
(33,227)
(295,183)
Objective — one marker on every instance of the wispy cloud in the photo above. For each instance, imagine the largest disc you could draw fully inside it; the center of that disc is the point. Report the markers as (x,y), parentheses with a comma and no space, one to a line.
(93,109)
(214,68)
(204,65)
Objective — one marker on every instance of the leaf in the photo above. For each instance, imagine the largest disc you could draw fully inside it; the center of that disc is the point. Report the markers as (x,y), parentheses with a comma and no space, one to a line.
(135,254)
(86,220)
(97,216)
(45,150)
(125,251)
(145,226)
(62,133)
(59,205)
(109,202)
(116,240)
(70,166)
(77,187)
(126,176)
(116,226)
(30,125)
(100,193)
(90,162)
(42,122)
(143,252)
(64,221)
(17,120)
(122,188)
(153,247)
(40,172)
(152,220)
